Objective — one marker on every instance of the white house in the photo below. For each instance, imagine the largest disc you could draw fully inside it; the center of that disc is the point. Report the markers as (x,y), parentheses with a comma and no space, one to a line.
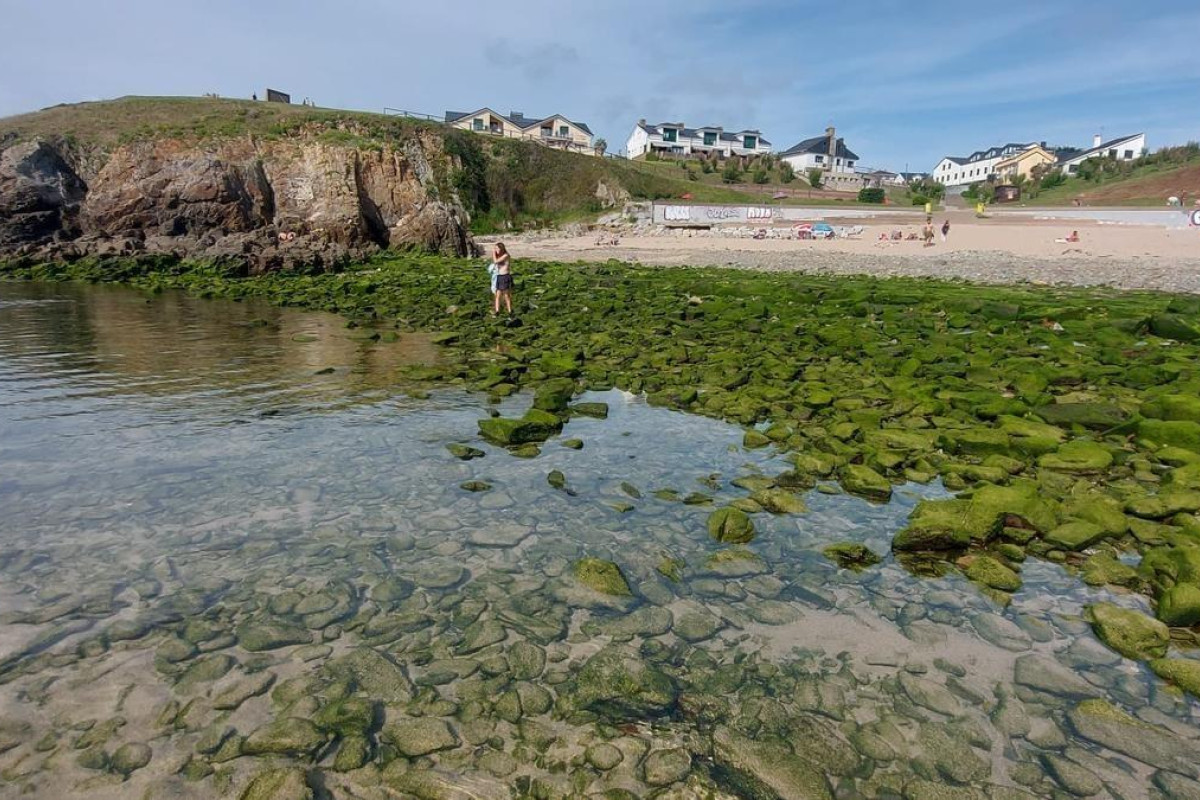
(821,152)
(829,154)
(1125,148)
(963,171)
(675,138)
(554,131)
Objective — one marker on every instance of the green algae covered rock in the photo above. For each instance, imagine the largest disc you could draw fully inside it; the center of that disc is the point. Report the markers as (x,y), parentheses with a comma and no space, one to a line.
(664,767)
(1183,672)
(373,672)
(1166,504)
(601,576)
(1176,433)
(1173,326)
(851,555)
(130,757)
(990,572)
(1179,606)
(956,523)
(278,784)
(294,736)
(754,439)
(1173,407)
(767,769)
(535,426)
(1077,535)
(259,636)
(779,501)
(593,410)
(1080,456)
(620,686)
(863,481)
(730,525)
(1097,416)
(554,395)
(1101,722)
(1131,633)
(464,452)
(419,737)
(1104,569)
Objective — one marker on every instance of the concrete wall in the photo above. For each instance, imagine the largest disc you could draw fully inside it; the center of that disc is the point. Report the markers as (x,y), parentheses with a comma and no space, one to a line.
(684,214)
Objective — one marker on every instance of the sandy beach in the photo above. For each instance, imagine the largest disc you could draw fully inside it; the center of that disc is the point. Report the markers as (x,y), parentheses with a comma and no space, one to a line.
(1005,248)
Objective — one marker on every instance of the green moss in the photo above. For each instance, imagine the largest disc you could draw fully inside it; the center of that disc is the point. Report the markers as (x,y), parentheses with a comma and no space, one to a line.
(1183,672)
(1130,633)
(602,576)
(993,574)
(1179,606)
(861,480)
(851,555)
(730,525)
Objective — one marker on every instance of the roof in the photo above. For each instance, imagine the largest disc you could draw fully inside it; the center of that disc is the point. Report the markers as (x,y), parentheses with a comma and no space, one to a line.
(516,118)
(820,144)
(695,133)
(992,152)
(1086,154)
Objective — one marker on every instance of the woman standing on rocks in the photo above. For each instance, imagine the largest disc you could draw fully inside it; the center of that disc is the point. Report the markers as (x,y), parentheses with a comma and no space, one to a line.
(504,278)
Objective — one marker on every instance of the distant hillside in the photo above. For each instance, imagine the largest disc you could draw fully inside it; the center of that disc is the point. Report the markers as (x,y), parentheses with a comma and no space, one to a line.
(1170,172)
(502,183)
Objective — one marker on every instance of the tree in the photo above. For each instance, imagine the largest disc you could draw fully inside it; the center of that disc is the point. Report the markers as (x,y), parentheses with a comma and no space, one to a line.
(815,177)
(601,146)
(787,173)
(731,173)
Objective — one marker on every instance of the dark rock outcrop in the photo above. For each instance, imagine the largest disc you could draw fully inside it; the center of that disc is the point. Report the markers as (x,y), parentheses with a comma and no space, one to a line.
(270,204)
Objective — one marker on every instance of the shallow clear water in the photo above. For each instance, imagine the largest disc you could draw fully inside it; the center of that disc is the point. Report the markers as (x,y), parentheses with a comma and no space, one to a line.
(174,469)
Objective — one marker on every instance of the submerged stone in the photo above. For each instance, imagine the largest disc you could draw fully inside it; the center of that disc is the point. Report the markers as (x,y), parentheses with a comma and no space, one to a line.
(621,686)
(278,784)
(419,737)
(294,736)
(464,452)
(602,576)
(664,767)
(1101,722)
(851,555)
(259,636)
(779,501)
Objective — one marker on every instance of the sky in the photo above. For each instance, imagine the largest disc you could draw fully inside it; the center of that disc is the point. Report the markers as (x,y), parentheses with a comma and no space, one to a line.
(904,82)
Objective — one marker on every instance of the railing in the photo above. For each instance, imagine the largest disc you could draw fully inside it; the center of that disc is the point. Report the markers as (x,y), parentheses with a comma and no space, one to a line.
(399,112)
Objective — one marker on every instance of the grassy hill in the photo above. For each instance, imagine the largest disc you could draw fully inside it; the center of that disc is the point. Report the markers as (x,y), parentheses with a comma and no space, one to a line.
(504,182)
(1169,172)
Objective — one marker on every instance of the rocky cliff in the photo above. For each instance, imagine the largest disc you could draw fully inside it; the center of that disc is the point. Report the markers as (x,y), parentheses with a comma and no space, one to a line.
(315,196)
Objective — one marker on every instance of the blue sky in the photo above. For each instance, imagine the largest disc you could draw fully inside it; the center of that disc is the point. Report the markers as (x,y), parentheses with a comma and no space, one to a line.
(904,82)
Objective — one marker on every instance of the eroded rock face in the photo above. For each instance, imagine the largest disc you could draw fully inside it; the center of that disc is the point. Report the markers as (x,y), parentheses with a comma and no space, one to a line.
(269,204)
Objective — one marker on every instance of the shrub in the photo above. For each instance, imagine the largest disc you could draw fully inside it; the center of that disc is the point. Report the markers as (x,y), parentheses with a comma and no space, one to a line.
(1056,178)
(870,194)
(920,199)
(760,175)
(652,156)
(787,173)
(706,167)
(815,178)
(731,173)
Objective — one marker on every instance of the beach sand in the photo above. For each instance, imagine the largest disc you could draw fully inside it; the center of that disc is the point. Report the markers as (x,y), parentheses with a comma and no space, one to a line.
(1002,249)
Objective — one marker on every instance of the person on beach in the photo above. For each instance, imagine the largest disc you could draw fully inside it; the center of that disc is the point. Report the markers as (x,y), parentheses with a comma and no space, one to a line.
(927,234)
(503,279)
(945,230)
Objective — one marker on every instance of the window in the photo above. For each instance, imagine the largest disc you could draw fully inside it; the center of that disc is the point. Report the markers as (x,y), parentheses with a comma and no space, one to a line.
(477,124)
(819,159)
(564,131)
(710,138)
(849,163)
(669,134)
(1128,155)
(1073,168)
(749,142)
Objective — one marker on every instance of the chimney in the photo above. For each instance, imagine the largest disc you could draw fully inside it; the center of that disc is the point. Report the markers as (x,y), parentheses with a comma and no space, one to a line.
(515,114)
(642,122)
(829,134)
(1096,140)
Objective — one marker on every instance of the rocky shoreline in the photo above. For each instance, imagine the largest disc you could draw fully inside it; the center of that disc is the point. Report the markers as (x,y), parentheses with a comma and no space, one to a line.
(1064,419)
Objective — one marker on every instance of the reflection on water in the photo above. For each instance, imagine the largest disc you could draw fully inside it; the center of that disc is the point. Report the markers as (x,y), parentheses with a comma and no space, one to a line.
(174,581)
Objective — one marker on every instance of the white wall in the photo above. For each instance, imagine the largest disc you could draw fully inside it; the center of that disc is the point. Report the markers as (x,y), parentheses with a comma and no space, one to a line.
(637,143)
(1137,145)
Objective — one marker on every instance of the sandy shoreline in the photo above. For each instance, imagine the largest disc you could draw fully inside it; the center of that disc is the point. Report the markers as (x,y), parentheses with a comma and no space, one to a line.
(998,250)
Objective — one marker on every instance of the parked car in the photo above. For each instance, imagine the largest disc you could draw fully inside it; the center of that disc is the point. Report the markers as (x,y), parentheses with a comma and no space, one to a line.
(822,230)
